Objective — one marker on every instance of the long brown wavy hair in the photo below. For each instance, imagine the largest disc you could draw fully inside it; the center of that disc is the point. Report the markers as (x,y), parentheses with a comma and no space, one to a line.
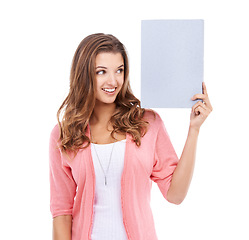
(80,101)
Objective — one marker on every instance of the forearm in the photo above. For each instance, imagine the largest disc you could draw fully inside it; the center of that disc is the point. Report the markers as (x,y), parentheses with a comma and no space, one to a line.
(62,227)
(184,171)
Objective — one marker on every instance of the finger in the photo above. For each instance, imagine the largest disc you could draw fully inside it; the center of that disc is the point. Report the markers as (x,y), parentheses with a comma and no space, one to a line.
(204,98)
(199,96)
(204,106)
(204,93)
(199,103)
(200,110)
(204,88)
(196,110)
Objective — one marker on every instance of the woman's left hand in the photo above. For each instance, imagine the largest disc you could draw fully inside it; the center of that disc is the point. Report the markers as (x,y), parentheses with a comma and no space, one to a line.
(200,110)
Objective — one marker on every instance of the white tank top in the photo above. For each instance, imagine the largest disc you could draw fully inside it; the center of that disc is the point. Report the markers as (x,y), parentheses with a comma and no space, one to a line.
(108,218)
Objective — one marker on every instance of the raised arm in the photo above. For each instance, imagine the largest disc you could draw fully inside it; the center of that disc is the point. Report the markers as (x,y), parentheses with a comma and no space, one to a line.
(184,171)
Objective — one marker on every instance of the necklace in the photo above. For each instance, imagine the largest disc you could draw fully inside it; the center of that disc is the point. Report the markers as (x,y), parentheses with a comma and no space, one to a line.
(99,159)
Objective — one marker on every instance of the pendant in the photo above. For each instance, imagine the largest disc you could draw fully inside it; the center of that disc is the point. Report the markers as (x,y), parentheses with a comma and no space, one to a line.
(105,180)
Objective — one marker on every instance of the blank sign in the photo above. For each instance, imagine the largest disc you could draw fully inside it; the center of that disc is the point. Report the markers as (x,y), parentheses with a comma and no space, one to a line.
(171,62)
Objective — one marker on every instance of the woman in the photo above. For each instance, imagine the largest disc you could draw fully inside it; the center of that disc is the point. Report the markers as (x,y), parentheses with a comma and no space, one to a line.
(106,150)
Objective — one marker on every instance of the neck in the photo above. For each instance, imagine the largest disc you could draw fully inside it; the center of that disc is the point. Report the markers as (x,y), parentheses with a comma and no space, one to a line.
(102,113)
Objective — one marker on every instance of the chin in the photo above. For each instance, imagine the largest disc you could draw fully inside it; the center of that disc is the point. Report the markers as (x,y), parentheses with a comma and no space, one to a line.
(104,101)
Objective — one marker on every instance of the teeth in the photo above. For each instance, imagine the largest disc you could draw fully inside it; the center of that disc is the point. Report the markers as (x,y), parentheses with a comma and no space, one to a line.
(109,90)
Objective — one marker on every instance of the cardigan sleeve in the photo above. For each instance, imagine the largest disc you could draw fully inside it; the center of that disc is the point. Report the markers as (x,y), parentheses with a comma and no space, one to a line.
(165,159)
(62,184)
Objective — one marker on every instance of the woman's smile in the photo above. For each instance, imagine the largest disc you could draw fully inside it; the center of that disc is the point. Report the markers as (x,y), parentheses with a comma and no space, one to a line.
(109,91)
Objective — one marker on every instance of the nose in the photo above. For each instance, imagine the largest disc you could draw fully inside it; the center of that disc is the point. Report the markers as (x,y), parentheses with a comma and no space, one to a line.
(112,79)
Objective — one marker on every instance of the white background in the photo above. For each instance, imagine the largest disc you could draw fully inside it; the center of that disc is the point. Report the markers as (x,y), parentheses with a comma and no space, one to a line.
(38,40)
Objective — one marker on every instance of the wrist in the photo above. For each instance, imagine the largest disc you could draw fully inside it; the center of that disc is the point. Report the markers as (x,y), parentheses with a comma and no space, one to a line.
(194,130)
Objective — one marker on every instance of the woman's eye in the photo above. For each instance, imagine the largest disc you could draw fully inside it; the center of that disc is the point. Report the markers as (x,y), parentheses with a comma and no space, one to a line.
(120,70)
(100,72)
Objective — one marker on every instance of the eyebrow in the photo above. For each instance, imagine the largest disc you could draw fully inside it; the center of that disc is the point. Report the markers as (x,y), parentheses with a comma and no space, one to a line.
(106,67)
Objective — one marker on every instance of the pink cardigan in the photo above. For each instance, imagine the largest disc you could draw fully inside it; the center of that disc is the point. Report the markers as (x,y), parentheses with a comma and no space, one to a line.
(72,183)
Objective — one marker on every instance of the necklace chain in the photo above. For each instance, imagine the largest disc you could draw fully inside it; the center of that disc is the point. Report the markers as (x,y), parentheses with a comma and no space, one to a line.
(99,159)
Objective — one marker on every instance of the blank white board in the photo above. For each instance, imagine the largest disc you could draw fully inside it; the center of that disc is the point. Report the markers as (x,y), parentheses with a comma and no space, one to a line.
(172,54)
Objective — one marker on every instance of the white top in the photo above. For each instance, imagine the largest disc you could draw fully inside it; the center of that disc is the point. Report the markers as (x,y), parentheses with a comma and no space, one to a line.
(108,219)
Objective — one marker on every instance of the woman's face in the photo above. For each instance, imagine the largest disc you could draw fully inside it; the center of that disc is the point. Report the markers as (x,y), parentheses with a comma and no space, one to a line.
(109,76)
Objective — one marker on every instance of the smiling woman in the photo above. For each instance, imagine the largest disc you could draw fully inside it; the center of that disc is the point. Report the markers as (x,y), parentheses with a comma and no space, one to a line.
(87,200)
(100,96)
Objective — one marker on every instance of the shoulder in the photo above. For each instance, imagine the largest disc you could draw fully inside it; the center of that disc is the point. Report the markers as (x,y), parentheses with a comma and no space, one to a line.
(55,132)
(154,119)
(152,116)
